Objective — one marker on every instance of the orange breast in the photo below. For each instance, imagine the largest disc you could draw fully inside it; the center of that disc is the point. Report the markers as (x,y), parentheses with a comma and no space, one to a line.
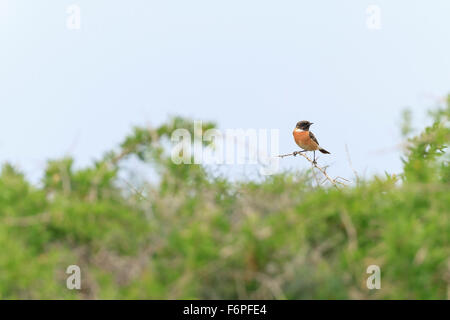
(303,140)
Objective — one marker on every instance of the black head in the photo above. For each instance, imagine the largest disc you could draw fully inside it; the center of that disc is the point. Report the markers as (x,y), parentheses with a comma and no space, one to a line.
(303,125)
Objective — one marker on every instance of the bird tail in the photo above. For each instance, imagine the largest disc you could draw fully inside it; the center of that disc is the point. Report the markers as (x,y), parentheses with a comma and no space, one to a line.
(323,150)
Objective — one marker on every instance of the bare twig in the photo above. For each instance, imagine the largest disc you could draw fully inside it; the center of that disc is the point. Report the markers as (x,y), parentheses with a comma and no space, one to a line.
(350,230)
(350,163)
(136,191)
(323,170)
(317,179)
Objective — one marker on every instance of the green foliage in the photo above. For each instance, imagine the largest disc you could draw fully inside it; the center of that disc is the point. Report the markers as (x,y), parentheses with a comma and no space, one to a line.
(193,235)
(406,125)
(427,160)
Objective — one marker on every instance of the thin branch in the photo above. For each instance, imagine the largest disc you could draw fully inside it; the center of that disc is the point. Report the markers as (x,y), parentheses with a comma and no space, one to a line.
(350,230)
(350,163)
(136,191)
(323,170)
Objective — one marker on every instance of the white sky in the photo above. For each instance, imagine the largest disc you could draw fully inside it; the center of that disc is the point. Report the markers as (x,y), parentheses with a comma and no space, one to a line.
(244,64)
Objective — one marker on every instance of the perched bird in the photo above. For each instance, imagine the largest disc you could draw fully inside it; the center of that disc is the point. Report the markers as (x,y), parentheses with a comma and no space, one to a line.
(305,139)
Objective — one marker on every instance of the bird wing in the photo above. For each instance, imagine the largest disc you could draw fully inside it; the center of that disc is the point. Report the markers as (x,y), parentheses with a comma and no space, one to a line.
(313,137)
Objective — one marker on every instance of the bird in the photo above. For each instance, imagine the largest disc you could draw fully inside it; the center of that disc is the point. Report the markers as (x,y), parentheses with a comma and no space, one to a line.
(305,139)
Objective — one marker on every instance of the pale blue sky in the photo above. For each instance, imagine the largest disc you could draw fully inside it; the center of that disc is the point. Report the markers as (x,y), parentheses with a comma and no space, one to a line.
(244,64)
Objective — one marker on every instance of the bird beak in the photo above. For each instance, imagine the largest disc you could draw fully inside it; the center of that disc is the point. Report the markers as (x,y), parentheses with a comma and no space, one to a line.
(311,123)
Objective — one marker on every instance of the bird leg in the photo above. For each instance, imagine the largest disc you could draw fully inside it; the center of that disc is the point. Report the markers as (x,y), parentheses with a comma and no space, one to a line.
(314,161)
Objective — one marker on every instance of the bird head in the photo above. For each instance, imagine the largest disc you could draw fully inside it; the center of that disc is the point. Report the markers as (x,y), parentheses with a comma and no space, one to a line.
(303,125)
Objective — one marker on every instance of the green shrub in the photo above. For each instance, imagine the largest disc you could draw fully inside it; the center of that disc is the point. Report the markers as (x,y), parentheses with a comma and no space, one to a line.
(192,235)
